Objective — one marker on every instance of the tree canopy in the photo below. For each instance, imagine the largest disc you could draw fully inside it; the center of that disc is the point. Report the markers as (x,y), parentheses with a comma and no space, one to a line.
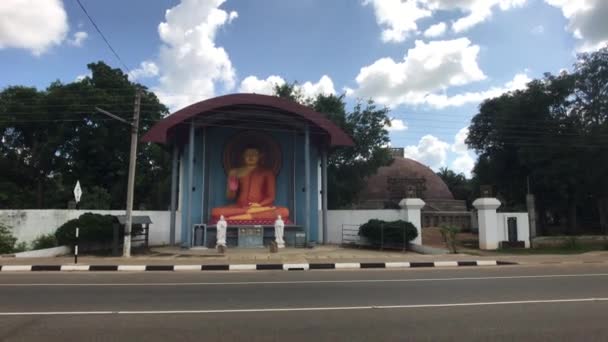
(554,136)
(51,138)
(459,185)
(365,123)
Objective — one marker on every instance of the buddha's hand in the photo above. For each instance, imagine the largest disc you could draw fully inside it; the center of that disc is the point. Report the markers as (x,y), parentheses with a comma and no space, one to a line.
(233,183)
(255,205)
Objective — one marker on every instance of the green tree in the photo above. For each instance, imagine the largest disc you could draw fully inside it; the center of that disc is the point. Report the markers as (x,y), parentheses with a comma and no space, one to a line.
(33,136)
(95,197)
(54,137)
(365,123)
(554,136)
(591,106)
(459,185)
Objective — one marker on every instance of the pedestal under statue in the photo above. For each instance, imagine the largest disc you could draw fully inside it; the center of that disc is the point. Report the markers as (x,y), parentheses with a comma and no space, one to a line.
(253,186)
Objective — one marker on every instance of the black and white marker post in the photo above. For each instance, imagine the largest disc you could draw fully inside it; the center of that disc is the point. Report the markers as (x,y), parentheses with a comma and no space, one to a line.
(77,195)
(76,246)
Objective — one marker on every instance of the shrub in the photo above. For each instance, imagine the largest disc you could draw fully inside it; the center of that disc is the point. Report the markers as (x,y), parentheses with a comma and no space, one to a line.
(44,241)
(449,237)
(20,247)
(94,228)
(7,240)
(380,232)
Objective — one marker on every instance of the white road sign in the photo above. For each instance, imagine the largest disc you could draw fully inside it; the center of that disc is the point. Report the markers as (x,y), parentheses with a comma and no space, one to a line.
(77,192)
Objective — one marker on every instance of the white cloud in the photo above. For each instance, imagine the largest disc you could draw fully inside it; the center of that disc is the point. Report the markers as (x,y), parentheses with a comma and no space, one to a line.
(78,38)
(81,77)
(396,125)
(442,101)
(233,15)
(540,29)
(430,151)
(586,20)
(459,145)
(146,69)
(191,65)
(464,162)
(436,30)
(324,86)
(426,69)
(477,11)
(398,18)
(251,84)
(32,24)
(433,152)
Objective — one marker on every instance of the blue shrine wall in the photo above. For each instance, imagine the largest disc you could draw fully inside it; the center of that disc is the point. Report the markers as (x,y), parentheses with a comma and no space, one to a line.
(209,182)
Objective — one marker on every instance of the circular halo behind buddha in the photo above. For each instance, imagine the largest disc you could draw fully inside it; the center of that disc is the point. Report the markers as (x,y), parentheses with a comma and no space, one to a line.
(267,146)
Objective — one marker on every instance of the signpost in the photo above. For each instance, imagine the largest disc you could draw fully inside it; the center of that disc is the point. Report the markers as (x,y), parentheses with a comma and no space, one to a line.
(77,195)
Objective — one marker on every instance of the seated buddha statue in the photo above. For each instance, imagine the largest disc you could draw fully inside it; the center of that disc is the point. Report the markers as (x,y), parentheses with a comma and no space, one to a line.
(253,187)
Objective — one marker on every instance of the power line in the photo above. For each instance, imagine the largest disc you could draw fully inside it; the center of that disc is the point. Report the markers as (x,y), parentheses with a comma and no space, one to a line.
(102,36)
(409,118)
(523,129)
(531,137)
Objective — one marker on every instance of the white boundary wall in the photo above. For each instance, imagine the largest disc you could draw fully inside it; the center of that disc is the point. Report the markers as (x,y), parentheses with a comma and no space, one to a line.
(337,218)
(29,224)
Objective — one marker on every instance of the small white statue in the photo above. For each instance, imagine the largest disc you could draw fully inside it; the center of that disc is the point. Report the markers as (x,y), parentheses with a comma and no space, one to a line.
(221,232)
(279,228)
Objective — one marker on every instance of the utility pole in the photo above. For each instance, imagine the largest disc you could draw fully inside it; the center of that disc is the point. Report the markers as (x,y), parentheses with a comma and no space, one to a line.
(126,251)
(531,206)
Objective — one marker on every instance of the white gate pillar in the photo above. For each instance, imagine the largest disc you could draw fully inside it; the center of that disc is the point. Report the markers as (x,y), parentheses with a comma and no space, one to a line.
(488,222)
(413,207)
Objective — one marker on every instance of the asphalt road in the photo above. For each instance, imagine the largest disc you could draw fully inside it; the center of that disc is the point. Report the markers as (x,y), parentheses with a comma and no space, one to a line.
(552,303)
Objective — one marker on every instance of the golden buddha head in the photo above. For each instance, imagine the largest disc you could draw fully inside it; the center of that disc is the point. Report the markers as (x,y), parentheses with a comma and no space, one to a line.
(251,156)
(252,149)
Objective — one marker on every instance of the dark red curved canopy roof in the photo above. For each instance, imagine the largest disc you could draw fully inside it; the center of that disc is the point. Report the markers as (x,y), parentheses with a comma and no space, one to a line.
(159,132)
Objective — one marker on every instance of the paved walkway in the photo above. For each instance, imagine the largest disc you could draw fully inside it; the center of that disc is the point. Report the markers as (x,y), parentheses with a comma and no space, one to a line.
(321,254)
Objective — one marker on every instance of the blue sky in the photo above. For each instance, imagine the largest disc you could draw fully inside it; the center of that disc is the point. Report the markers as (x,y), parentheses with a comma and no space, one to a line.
(431,61)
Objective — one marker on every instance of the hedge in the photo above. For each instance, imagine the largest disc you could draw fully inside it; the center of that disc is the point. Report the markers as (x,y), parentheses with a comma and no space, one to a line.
(44,241)
(7,240)
(379,232)
(93,228)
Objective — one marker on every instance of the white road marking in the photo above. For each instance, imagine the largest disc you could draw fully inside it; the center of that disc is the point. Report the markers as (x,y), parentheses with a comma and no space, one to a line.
(486,263)
(347,265)
(329,308)
(187,267)
(397,264)
(130,268)
(446,263)
(242,267)
(16,268)
(311,281)
(74,267)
